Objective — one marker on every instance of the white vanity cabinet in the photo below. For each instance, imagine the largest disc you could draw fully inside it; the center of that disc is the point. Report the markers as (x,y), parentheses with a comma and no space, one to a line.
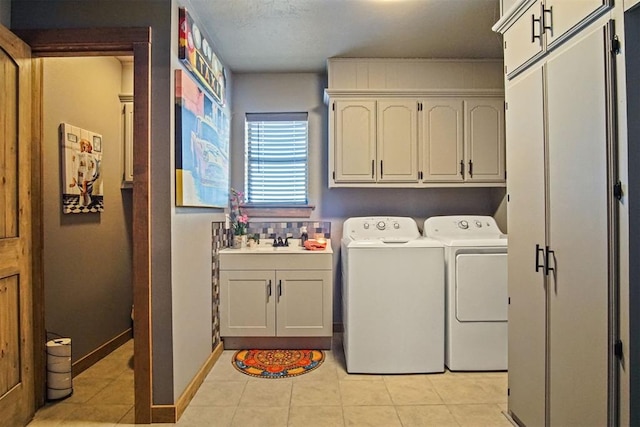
(276,293)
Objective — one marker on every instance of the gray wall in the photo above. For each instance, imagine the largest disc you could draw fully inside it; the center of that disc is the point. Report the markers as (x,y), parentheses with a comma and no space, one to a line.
(304,92)
(87,257)
(5,13)
(156,14)
(191,263)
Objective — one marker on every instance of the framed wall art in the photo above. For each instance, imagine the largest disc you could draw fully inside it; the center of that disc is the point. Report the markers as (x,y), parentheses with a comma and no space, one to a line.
(196,53)
(202,146)
(81,155)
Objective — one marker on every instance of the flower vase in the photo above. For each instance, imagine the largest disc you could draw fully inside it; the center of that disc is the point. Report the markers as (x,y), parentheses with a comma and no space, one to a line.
(239,241)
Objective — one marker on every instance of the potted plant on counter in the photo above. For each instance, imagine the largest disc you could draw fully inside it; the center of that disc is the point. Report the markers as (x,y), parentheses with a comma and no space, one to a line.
(239,221)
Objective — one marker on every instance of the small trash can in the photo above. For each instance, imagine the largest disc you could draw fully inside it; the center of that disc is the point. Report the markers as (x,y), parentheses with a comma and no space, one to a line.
(59,381)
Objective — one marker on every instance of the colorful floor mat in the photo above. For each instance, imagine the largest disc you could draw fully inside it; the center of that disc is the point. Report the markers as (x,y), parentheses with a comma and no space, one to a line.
(277,363)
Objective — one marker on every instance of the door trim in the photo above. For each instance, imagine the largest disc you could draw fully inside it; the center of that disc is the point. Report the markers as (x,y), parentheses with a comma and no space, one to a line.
(102,42)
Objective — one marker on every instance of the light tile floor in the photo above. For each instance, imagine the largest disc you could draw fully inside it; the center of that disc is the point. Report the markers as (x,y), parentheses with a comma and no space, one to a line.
(328,396)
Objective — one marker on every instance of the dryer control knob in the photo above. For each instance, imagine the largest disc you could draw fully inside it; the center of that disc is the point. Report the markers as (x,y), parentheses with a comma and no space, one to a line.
(463,224)
(396,225)
(478,224)
(366,225)
(381,225)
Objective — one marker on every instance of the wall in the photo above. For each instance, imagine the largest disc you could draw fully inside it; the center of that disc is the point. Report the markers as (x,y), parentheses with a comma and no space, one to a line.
(5,13)
(304,92)
(631,301)
(87,257)
(156,14)
(191,261)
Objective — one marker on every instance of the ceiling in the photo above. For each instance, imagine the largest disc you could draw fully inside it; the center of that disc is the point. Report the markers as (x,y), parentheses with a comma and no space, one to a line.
(299,35)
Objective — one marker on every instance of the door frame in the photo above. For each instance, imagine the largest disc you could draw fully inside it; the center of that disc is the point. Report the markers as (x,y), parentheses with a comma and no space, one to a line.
(101,42)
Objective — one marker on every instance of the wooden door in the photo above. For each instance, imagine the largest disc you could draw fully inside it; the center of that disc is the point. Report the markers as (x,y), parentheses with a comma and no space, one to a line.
(397,141)
(354,144)
(484,140)
(442,141)
(247,303)
(578,233)
(526,229)
(17,403)
(304,303)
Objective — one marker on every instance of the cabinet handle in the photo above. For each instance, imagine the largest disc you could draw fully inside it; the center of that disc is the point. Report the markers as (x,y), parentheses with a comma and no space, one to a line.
(279,289)
(373,168)
(470,169)
(548,252)
(462,168)
(381,170)
(546,27)
(533,29)
(538,265)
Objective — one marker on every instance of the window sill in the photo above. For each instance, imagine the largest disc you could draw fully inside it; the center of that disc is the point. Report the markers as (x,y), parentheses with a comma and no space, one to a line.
(277,211)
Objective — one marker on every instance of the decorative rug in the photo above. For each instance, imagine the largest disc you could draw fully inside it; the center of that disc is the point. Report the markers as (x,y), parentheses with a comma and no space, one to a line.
(277,363)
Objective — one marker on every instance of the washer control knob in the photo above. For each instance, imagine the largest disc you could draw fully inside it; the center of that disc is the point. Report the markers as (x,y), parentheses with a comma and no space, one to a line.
(381,225)
(463,224)
(396,225)
(478,224)
(366,225)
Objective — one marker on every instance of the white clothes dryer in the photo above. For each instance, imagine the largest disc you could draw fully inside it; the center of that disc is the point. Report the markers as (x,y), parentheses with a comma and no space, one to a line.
(476,291)
(392,297)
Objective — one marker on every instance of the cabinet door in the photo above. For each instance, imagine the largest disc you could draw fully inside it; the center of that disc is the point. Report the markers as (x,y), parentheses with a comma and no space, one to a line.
(397,141)
(247,303)
(526,228)
(484,140)
(304,303)
(442,142)
(563,15)
(355,141)
(127,125)
(578,233)
(522,40)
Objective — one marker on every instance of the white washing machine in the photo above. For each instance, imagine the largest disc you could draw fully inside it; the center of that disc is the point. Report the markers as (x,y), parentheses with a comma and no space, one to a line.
(392,297)
(476,291)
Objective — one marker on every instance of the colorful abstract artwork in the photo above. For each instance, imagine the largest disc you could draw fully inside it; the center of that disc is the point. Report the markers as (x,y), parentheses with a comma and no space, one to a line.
(81,156)
(202,147)
(196,53)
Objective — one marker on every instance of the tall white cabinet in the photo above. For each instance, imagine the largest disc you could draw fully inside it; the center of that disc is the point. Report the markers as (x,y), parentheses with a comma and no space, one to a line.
(560,155)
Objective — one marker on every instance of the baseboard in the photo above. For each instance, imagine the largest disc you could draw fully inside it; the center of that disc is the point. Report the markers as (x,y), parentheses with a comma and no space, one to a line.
(101,352)
(172,413)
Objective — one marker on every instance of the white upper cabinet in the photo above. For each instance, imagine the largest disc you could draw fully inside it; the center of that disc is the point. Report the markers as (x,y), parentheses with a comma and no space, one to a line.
(463,140)
(523,41)
(403,123)
(484,140)
(354,142)
(442,141)
(397,141)
(535,27)
(560,16)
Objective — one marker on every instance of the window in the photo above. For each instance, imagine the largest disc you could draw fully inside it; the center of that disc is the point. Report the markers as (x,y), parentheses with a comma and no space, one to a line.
(276,158)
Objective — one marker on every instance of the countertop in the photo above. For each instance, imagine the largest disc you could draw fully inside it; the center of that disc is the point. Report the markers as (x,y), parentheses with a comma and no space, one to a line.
(266,248)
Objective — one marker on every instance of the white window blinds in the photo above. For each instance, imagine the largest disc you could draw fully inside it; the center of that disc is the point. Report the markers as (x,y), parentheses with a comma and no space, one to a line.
(276,158)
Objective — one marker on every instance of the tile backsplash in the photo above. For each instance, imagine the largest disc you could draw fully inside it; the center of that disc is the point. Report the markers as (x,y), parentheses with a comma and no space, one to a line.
(271,230)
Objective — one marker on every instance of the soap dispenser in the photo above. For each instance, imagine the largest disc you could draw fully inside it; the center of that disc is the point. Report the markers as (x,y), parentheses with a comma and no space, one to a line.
(303,235)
